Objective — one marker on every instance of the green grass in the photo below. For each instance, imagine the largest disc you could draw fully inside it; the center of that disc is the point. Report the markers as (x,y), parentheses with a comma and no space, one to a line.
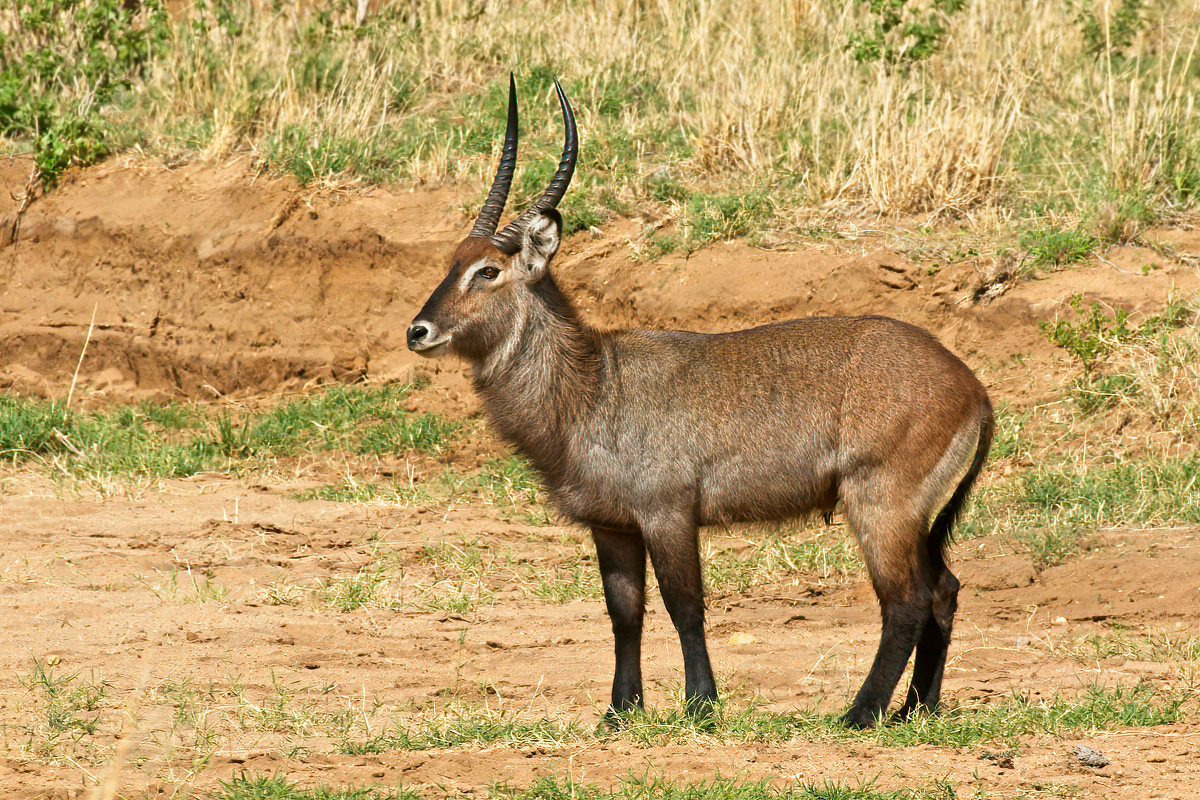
(1056,248)
(1052,509)
(508,483)
(471,728)
(463,573)
(68,709)
(770,557)
(1159,646)
(713,787)
(173,440)
(353,593)
(1002,721)
(245,787)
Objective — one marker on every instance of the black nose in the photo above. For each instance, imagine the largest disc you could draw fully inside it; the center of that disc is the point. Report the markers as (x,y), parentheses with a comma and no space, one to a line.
(415,334)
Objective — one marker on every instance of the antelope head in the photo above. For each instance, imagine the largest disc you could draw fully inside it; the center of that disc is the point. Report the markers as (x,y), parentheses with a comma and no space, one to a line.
(493,276)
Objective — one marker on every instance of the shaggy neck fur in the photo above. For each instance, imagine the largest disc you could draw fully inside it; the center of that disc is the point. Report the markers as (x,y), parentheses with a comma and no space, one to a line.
(543,378)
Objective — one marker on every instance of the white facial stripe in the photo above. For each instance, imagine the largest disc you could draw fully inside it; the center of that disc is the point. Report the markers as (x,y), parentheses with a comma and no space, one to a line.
(469,274)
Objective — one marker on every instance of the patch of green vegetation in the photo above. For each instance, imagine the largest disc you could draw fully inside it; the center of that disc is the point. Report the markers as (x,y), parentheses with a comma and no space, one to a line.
(1111,36)
(660,244)
(1003,721)
(1098,332)
(70,708)
(709,217)
(1009,439)
(353,593)
(352,490)
(1098,329)
(575,576)
(355,418)
(465,575)
(245,787)
(769,559)
(1050,509)
(718,788)
(901,35)
(631,788)
(63,63)
(1057,248)
(174,441)
(91,443)
(178,587)
(1158,646)
(457,727)
(509,480)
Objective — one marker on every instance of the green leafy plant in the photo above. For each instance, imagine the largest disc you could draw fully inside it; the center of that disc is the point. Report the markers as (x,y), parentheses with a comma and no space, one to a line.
(61,62)
(898,34)
(1112,36)
(1097,332)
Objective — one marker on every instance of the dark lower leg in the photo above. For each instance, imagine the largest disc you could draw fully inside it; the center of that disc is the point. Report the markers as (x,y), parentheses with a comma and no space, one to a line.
(930,663)
(675,553)
(700,689)
(902,626)
(622,559)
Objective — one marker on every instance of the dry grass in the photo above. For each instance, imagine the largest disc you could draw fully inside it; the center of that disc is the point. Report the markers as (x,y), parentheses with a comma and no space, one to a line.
(1017,109)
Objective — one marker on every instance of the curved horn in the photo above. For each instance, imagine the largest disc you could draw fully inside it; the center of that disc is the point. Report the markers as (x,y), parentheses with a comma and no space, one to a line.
(509,239)
(493,207)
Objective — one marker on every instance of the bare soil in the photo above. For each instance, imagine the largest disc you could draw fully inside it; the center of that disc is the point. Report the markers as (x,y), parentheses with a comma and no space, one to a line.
(215,283)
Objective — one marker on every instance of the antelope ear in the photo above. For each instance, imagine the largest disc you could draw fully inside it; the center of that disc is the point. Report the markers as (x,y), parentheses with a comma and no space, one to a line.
(539,243)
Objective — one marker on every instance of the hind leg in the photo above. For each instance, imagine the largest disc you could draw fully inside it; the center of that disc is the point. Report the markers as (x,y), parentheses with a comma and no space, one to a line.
(903,621)
(892,546)
(930,663)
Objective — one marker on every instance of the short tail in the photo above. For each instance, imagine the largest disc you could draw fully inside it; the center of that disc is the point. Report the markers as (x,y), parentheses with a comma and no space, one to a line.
(943,524)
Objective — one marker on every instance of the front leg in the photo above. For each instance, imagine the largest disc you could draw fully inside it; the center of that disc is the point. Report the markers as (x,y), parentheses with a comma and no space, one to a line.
(674,545)
(623,569)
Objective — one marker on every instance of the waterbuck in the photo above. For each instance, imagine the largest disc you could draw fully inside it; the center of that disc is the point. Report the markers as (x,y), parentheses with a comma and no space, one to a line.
(643,436)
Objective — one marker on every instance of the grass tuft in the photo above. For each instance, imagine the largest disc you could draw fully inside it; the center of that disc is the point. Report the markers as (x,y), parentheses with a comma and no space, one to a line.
(173,440)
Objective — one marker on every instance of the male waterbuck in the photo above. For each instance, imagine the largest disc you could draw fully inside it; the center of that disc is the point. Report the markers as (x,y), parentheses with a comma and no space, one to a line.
(644,436)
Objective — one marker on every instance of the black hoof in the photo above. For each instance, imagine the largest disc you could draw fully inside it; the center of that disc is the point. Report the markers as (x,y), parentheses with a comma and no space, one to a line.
(860,718)
(910,711)
(615,719)
(701,709)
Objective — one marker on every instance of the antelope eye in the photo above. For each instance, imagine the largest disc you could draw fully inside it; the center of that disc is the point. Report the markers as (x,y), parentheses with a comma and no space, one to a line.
(489,273)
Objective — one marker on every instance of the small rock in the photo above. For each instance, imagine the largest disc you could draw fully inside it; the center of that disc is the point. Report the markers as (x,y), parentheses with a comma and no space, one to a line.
(1090,758)
(742,638)
(1002,758)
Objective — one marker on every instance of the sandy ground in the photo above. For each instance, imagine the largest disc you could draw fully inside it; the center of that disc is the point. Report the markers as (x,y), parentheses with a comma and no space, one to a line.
(196,607)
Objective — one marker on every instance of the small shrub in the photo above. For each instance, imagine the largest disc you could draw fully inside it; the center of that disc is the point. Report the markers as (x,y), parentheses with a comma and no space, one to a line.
(1154,364)
(1053,247)
(63,62)
(1113,36)
(899,34)
(709,217)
